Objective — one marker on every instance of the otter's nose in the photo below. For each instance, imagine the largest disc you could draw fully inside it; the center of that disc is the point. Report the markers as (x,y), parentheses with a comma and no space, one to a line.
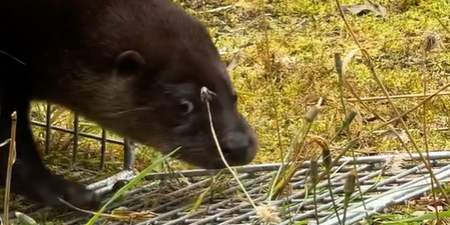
(239,148)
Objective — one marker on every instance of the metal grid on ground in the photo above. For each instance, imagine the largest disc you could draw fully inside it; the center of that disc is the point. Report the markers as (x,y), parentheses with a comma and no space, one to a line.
(173,199)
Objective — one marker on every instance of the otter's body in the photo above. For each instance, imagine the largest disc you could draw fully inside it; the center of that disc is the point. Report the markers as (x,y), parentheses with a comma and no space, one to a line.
(135,67)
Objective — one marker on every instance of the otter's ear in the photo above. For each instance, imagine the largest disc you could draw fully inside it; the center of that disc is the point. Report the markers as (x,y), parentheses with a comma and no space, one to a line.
(129,63)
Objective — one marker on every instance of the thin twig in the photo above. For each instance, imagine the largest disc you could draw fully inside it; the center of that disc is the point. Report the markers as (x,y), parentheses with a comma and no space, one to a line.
(11,160)
(377,98)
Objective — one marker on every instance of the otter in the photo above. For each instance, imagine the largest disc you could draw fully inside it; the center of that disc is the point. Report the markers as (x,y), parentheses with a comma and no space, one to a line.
(134,67)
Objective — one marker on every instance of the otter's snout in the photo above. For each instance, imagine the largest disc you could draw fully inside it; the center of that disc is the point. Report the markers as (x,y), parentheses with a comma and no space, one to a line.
(238,148)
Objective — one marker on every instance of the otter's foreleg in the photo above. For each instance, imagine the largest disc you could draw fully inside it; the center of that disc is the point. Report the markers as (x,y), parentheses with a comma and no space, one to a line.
(30,177)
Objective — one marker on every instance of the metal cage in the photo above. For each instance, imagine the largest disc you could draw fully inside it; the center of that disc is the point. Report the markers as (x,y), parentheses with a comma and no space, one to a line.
(374,195)
(129,147)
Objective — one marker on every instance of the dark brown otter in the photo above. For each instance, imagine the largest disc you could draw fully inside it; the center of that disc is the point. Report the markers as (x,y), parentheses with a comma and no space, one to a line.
(135,67)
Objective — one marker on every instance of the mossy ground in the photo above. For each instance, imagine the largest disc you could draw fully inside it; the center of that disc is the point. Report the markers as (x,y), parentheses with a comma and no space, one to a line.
(283,68)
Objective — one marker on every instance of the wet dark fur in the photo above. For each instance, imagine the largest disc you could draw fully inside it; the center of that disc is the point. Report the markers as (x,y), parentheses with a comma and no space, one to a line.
(133,66)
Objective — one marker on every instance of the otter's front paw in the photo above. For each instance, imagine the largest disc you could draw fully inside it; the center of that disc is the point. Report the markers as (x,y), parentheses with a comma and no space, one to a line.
(76,194)
(80,197)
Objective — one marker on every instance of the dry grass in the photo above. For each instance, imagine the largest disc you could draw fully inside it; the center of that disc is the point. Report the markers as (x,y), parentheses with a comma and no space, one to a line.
(284,62)
(302,38)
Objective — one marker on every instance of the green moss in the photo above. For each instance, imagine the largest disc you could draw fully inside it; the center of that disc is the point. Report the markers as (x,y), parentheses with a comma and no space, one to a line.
(303,37)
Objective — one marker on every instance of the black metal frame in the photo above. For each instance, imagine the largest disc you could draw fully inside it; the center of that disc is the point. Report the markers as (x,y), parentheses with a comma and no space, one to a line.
(128,146)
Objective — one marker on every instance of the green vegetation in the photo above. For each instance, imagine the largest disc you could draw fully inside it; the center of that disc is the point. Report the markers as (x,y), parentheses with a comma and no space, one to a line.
(280,78)
(282,61)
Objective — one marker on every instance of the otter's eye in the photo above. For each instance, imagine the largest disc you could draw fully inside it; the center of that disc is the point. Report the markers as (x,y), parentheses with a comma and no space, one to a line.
(186,107)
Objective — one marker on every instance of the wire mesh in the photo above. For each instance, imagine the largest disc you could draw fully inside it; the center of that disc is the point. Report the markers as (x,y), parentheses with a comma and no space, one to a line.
(203,197)
(128,146)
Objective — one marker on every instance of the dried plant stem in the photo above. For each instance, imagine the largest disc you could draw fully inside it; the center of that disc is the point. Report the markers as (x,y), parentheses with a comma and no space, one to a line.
(268,68)
(425,126)
(327,164)
(314,167)
(352,91)
(357,139)
(278,184)
(377,98)
(105,215)
(204,93)
(338,65)
(385,92)
(442,24)
(410,110)
(11,160)
(349,189)
(415,130)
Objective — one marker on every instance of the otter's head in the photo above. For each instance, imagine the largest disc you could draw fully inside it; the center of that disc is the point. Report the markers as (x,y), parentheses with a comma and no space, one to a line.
(164,107)
(159,58)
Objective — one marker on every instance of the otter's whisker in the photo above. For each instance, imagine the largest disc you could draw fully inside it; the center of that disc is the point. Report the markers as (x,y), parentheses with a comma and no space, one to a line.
(132,110)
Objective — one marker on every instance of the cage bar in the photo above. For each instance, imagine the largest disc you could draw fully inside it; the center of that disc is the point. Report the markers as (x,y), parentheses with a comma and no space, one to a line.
(230,207)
